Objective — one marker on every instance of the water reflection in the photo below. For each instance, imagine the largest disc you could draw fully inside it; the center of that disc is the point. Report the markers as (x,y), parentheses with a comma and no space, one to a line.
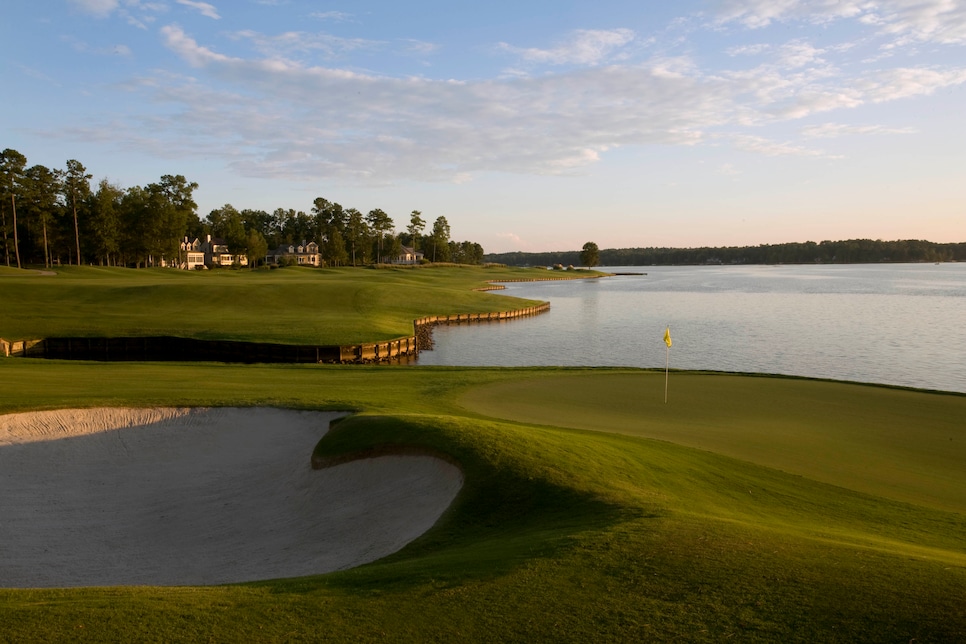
(895,324)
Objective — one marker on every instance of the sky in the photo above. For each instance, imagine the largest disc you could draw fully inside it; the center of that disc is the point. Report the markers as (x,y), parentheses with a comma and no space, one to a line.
(529,125)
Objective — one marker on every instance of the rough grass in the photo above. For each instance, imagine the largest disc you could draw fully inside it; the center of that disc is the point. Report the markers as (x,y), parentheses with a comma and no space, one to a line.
(560,533)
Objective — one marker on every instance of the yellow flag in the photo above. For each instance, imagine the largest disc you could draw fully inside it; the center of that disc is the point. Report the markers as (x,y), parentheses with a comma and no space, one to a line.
(667,337)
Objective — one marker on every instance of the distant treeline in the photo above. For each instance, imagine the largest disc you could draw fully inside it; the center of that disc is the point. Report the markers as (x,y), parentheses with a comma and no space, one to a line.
(852,251)
(54,216)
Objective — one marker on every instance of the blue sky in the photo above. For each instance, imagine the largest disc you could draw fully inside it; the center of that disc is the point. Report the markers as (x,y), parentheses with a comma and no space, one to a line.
(530,126)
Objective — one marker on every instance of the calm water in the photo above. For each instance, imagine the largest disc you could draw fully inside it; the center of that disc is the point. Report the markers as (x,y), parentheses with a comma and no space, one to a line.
(899,324)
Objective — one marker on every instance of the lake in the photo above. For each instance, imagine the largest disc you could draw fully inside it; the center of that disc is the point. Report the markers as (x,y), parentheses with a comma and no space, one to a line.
(898,324)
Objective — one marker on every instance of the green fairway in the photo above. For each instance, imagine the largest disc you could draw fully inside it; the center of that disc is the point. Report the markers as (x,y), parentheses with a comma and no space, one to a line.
(291,306)
(564,534)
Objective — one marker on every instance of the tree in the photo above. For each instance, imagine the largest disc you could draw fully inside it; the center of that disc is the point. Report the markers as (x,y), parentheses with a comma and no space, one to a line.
(41,187)
(330,222)
(381,224)
(288,227)
(356,232)
(328,215)
(257,220)
(440,239)
(300,228)
(394,248)
(333,248)
(590,255)
(76,186)
(106,222)
(134,213)
(226,222)
(415,228)
(12,165)
(256,247)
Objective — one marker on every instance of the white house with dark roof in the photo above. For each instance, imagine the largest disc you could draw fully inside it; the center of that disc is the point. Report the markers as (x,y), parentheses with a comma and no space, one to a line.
(408,255)
(304,254)
(213,252)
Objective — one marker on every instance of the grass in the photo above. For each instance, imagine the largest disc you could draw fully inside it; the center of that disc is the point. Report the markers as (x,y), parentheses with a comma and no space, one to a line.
(902,444)
(293,305)
(560,534)
(752,509)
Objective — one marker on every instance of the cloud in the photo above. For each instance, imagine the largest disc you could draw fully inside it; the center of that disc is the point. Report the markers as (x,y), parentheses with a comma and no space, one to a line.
(585,47)
(186,47)
(835,130)
(84,48)
(334,16)
(203,8)
(34,73)
(270,114)
(905,82)
(767,147)
(728,169)
(419,47)
(295,44)
(756,14)
(748,50)
(137,13)
(799,54)
(906,21)
(100,8)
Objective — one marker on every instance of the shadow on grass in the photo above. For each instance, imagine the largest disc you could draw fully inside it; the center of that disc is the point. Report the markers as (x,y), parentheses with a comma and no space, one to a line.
(516,504)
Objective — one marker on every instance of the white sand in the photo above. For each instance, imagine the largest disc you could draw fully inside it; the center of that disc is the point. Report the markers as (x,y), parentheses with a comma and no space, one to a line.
(104,497)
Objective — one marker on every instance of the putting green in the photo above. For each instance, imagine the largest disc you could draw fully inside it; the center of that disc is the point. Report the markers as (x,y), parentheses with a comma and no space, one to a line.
(901,444)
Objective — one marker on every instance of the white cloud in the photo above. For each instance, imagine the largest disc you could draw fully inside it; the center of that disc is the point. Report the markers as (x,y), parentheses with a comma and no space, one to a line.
(299,43)
(904,82)
(101,8)
(137,13)
(419,47)
(756,14)
(767,147)
(334,16)
(85,48)
(585,47)
(204,8)
(186,47)
(799,54)
(272,115)
(748,50)
(939,21)
(835,130)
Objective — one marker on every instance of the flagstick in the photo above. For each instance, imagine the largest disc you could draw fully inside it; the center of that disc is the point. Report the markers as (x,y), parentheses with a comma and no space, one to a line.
(667,360)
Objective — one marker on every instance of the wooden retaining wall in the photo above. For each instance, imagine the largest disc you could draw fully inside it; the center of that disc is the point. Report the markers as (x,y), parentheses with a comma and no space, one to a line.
(481,317)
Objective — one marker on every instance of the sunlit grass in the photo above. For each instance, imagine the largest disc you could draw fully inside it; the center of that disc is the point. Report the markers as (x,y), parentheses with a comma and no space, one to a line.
(559,534)
(291,305)
(751,509)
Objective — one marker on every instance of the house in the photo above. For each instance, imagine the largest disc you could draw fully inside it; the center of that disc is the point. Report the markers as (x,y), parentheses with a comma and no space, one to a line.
(408,255)
(193,257)
(211,253)
(304,254)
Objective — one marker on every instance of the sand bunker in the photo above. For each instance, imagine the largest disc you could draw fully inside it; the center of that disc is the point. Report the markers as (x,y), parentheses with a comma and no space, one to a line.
(105,497)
